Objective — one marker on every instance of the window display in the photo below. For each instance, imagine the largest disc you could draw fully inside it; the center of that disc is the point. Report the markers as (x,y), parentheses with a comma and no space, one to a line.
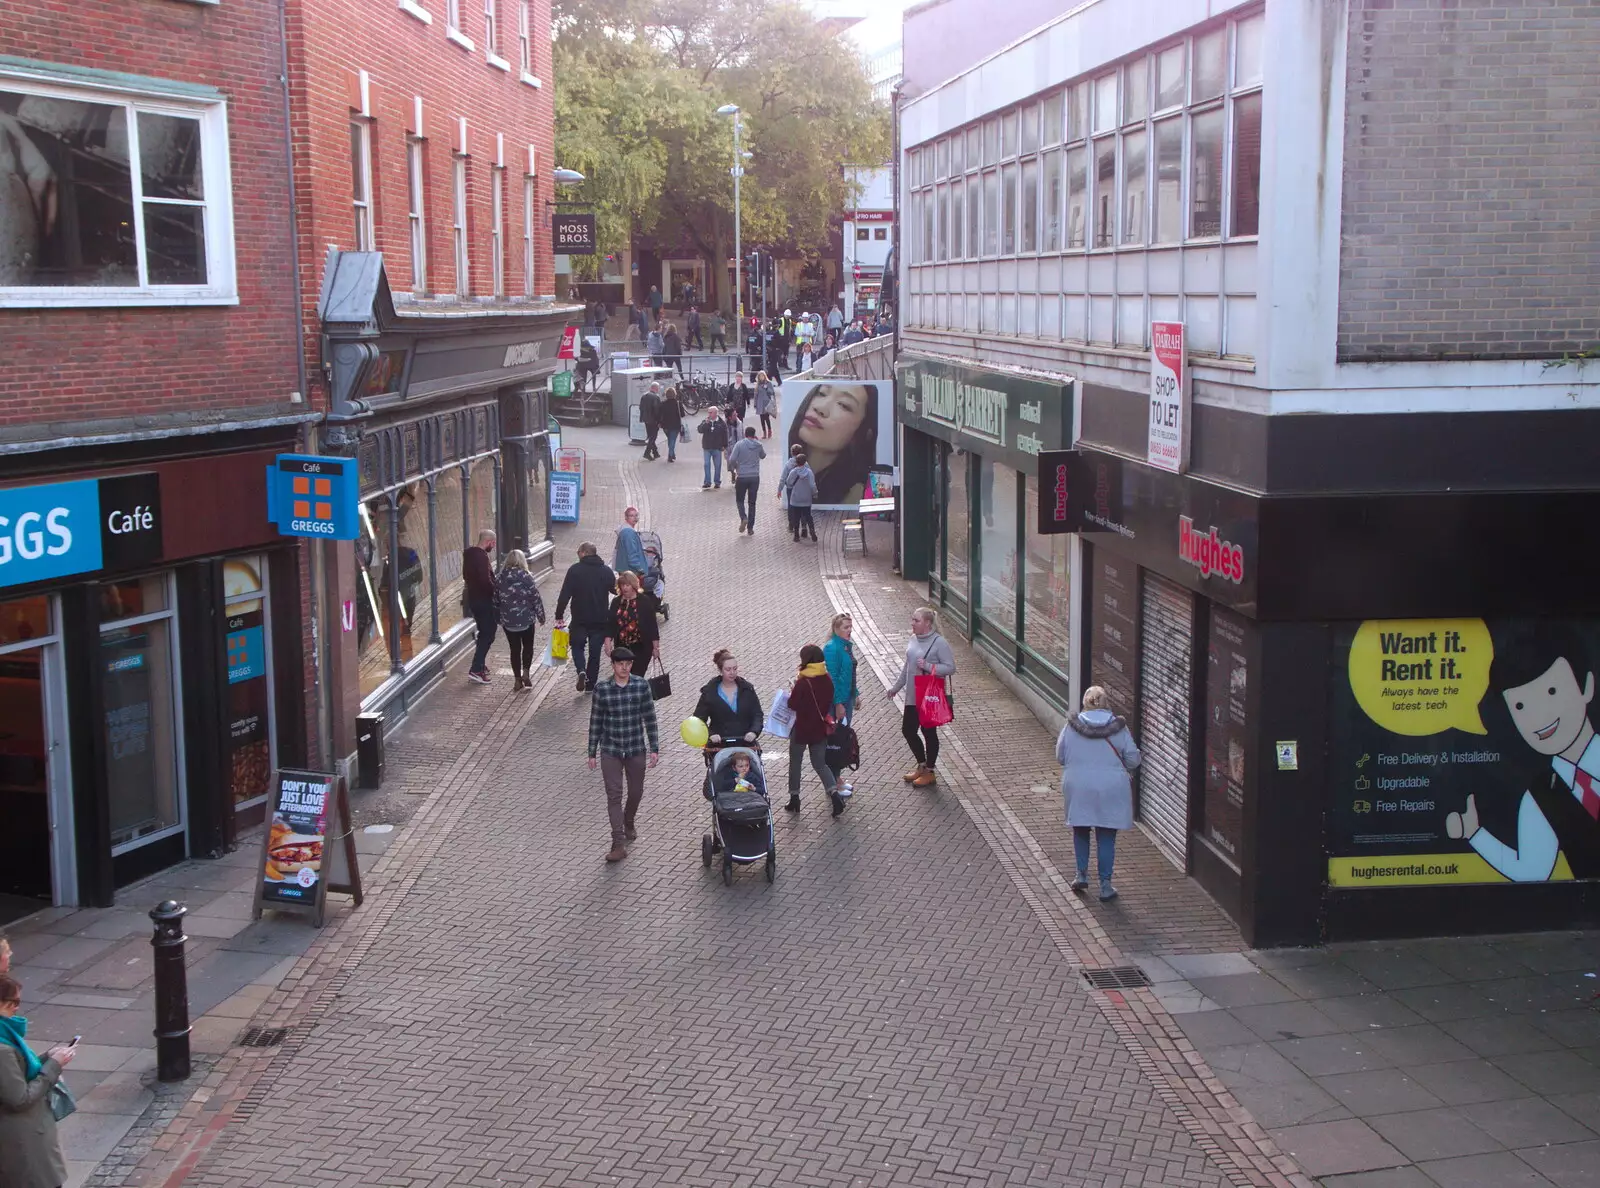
(1047,588)
(249,680)
(140,739)
(997,501)
(957,524)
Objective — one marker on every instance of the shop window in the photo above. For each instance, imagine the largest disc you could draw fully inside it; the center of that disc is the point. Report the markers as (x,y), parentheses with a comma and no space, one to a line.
(105,201)
(997,552)
(1030,205)
(1136,91)
(883,232)
(1171,77)
(134,597)
(1250,34)
(1028,135)
(957,221)
(1210,65)
(974,211)
(539,463)
(1053,195)
(1008,135)
(957,525)
(450,537)
(1105,103)
(1054,113)
(1047,588)
(1078,111)
(247,644)
(991,213)
(861,233)
(991,141)
(140,736)
(25,619)
(1077,197)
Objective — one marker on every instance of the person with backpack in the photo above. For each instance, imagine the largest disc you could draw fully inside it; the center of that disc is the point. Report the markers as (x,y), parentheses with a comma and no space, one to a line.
(713,440)
(802,491)
(839,654)
(927,654)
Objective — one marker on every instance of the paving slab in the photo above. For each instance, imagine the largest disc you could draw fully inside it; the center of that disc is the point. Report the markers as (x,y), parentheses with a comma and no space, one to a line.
(1440,1133)
(1527,1122)
(1500,1169)
(1334,1148)
(1379,1091)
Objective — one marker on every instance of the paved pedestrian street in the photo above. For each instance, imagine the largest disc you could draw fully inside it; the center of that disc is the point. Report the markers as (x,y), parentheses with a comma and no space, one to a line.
(906,1004)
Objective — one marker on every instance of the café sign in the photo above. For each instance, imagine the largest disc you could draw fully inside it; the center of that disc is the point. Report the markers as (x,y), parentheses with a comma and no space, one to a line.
(59,529)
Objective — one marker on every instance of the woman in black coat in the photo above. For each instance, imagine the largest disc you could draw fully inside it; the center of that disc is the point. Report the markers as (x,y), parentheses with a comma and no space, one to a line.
(730,706)
(632,622)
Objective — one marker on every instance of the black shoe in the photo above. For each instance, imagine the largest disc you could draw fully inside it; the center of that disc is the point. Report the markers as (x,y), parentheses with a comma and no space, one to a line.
(583,682)
(718,486)
(793,806)
(751,530)
(838,803)
(705,486)
(741,525)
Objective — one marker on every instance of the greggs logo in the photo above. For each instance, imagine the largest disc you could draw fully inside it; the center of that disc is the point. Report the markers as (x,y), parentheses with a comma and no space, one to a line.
(1209,553)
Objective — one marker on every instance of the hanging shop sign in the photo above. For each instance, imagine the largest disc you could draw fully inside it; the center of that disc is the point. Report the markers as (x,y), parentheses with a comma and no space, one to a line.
(1464,751)
(313,496)
(1055,504)
(1198,534)
(1168,445)
(309,846)
(1001,416)
(572,234)
(60,529)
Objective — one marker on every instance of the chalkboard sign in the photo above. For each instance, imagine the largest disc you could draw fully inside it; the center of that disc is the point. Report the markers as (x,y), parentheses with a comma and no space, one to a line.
(309,846)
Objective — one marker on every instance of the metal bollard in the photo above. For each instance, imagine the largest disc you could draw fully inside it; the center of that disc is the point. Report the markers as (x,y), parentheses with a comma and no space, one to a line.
(172,992)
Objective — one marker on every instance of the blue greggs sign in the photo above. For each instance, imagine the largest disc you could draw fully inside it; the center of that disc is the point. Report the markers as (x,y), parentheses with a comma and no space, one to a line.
(60,529)
(313,496)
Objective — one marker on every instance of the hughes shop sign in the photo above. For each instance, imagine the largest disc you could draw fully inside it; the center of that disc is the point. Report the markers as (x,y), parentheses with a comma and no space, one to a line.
(62,529)
(996,414)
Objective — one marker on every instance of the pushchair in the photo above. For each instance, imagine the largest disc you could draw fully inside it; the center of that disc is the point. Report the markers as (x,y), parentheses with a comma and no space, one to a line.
(741,820)
(655,577)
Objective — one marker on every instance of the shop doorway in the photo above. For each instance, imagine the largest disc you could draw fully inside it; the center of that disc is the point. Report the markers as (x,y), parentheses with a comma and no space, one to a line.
(36,857)
(1166,695)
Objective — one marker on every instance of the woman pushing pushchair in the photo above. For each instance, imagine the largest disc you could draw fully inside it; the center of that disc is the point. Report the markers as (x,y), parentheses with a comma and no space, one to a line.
(640,550)
(741,818)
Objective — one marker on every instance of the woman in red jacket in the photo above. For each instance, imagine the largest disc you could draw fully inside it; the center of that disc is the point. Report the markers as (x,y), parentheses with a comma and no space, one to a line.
(811,699)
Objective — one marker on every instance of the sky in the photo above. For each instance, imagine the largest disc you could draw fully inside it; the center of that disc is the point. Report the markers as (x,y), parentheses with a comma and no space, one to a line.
(880,28)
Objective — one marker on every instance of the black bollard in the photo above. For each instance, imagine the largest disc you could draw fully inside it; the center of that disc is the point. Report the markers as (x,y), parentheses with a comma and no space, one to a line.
(172,992)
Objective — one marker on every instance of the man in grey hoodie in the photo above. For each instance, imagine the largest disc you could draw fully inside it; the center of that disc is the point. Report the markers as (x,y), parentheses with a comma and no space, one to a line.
(745,460)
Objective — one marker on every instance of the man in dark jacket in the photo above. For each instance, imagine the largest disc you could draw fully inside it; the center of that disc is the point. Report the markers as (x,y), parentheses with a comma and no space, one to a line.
(477,574)
(671,419)
(650,414)
(692,338)
(713,440)
(587,587)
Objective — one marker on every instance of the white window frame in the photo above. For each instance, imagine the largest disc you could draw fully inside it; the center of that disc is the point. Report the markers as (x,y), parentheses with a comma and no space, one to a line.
(221,287)
(528,197)
(417,210)
(452,25)
(458,225)
(497,231)
(366,231)
(525,43)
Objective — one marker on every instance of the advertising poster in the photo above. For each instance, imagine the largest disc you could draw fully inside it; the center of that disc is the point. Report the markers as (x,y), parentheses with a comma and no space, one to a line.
(296,832)
(1464,751)
(1227,687)
(1169,399)
(845,427)
(248,742)
(565,487)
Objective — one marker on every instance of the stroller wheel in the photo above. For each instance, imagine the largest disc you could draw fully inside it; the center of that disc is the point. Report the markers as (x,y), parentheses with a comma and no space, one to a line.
(772,863)
(706,842)
(727,869)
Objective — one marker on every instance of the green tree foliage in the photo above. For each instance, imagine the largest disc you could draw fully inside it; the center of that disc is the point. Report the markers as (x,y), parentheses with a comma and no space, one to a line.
(637,85)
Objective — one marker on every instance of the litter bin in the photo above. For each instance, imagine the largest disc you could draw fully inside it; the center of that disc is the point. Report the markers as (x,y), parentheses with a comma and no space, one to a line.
(369,750)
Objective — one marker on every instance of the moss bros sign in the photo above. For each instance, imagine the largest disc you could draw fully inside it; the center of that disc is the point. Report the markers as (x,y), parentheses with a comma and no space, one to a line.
(999,415)
(60,529)
(572,234)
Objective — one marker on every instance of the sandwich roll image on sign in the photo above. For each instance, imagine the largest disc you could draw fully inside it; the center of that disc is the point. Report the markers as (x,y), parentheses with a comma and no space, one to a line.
(1168,445)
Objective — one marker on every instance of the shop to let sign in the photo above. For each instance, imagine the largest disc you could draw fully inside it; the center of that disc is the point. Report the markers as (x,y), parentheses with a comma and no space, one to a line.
(314,496)
(1168,445)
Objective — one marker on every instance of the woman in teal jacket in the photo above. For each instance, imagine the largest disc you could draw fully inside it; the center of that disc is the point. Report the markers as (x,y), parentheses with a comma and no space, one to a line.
(840,656)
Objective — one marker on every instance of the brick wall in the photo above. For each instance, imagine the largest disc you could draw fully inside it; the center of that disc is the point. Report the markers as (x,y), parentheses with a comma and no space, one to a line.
(1471,217)
(331,43)
(72,367)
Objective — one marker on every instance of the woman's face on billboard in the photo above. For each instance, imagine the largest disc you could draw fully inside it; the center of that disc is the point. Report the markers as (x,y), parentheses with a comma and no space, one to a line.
(833,417)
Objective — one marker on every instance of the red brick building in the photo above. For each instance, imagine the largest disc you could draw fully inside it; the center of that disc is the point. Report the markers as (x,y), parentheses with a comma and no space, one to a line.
(151,653)
(424,132)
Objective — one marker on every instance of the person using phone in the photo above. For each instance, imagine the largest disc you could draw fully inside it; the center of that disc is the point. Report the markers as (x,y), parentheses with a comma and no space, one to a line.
(28,1135)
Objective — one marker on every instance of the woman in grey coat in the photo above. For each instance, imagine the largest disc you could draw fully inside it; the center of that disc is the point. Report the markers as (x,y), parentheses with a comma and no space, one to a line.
(928,654)
(1096,752)
(30,1150)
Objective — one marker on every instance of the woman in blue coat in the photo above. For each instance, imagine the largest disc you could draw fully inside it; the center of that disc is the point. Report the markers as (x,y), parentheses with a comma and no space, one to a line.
(840,656)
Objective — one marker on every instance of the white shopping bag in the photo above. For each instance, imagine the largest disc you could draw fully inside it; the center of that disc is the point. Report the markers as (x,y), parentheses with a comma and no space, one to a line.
(550,661)
(780,718)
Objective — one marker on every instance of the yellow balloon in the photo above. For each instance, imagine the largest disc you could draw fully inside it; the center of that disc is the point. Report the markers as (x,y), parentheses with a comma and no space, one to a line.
(694,732)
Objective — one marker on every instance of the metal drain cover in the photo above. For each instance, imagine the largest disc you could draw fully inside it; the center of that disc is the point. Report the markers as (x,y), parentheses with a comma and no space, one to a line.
(263,1037)
(1116,977)
(838,577)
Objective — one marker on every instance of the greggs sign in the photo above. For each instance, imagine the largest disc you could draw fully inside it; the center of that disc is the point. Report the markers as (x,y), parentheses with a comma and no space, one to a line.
(1209,553)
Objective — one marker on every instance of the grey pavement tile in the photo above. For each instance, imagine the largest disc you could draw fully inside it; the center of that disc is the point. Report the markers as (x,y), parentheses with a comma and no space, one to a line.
(1437,1004)
(1462,1082)
(1180,998)
(1536,992)
(1254,1062)
(1248,989)
(99,1057)
(1498,1169)
(1472,960)
(1285,1020)
(232,905)
(1421,1043)
(1389,1177)
(215,927)
(222,975)
(76,998)
(1503,1035)
(1323,981)
(1527,1122)
(1293,1104)
(1570,1165)
(285,936)
(1333,1148)
(1547,1073)
(118,1093)
(1209,965)
(49,1024)
(1584,1107)
(68,953)
(1210,1030)
(126,965)
(1326,1055)
(1394,968)
(1440,1133)
(1381,1091)
(1157,969)
(1272,960)
(116,924)
(1362,1012)
(90,1137)
(1553,954)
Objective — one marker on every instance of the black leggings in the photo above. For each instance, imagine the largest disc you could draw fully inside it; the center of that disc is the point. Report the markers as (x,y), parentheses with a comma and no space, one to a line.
(909,726)
(521,651)
(766,424)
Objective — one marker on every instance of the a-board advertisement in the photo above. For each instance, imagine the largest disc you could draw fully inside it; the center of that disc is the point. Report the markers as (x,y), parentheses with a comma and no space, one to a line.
(1464,751)
(297,830)
(845,427)
(565,487)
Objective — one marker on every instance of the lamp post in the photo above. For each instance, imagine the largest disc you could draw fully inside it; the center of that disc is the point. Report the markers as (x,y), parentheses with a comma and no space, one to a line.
(732,109)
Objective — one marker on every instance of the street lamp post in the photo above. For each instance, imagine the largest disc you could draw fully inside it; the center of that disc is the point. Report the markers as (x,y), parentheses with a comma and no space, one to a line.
(732,109)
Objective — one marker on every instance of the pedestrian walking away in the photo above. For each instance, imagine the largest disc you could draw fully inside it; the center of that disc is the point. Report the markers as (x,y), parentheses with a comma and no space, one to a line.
(766,398)
(670,417)
(835,322)
(729,705)
(30,1146)
(1097,753)
(517,602)
(713,441)
(655,345)
(587,588)
(839,654)
(788,468)
(477,576)
(719,332)
(588,367)
(623,743)
(650,415)
(631,622)
(927,654)
(811,700)
(672,349)
(802,491)
(745,460)
(692,327)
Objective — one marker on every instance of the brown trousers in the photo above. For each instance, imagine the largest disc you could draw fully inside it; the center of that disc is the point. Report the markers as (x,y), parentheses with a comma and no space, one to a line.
(615,771)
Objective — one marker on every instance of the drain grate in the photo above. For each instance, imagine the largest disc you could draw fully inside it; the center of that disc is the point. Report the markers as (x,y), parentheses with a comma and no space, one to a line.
(1116,977)
(263,1037)
(838,577)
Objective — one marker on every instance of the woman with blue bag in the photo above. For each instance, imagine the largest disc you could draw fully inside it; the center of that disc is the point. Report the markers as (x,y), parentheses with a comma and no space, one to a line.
(32,1099)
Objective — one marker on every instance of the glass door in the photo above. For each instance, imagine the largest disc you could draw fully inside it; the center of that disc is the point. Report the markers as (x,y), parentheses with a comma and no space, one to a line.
(36,846)
(252,738)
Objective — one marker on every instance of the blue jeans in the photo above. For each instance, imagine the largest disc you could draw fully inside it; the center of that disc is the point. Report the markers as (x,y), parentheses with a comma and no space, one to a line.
(713,458)
(672,444)
(487,619)
(587,644)
(1106,840)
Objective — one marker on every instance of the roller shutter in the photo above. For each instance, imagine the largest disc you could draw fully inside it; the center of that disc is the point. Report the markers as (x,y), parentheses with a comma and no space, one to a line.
(1166,681)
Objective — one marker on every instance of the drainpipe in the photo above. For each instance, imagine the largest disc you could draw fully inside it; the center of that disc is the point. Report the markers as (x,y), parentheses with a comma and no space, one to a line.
(899,303)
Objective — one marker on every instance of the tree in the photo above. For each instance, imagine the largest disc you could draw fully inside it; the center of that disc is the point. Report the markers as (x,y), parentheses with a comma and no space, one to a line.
(637,87)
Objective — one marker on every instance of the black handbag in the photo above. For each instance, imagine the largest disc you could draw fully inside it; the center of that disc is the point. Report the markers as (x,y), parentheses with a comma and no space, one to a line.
(660,683)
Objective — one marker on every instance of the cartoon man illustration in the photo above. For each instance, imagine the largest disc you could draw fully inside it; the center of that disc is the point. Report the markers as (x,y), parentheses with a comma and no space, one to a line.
(1549,707)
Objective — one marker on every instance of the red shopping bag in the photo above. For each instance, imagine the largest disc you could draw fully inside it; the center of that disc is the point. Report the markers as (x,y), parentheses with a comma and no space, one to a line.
(933,705)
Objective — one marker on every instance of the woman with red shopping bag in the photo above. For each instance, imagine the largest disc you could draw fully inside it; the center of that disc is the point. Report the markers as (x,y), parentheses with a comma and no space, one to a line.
(929,664)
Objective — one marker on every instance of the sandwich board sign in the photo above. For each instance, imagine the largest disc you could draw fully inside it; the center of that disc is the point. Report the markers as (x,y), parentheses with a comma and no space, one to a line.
(309,847)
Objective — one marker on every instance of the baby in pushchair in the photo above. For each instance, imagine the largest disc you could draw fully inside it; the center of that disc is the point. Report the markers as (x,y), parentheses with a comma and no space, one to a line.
(655,575)
(741,817)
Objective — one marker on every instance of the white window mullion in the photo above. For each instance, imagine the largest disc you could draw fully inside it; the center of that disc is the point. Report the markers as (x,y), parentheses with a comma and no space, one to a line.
(136,178)
(527,235)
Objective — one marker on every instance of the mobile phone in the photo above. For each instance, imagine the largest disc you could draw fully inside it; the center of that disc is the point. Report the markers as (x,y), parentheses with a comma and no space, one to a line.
(74,1042)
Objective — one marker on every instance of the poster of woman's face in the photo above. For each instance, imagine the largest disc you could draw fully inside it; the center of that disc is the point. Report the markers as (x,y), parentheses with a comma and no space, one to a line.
(845,427)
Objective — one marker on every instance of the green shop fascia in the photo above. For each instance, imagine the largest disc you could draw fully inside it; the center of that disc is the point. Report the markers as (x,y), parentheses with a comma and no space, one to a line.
(971,438)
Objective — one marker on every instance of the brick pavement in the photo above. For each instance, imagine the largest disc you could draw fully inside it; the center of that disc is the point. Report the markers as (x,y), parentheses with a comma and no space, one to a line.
(901,1007)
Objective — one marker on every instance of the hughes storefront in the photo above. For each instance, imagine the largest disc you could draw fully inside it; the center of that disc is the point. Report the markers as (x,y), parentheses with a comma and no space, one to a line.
(1361,715)
(150,669)
(971,441)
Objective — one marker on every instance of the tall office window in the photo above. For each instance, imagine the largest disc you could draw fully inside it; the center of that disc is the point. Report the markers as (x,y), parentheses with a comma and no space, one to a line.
(497,228)
(458,225)
(361,183)
(416,177)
